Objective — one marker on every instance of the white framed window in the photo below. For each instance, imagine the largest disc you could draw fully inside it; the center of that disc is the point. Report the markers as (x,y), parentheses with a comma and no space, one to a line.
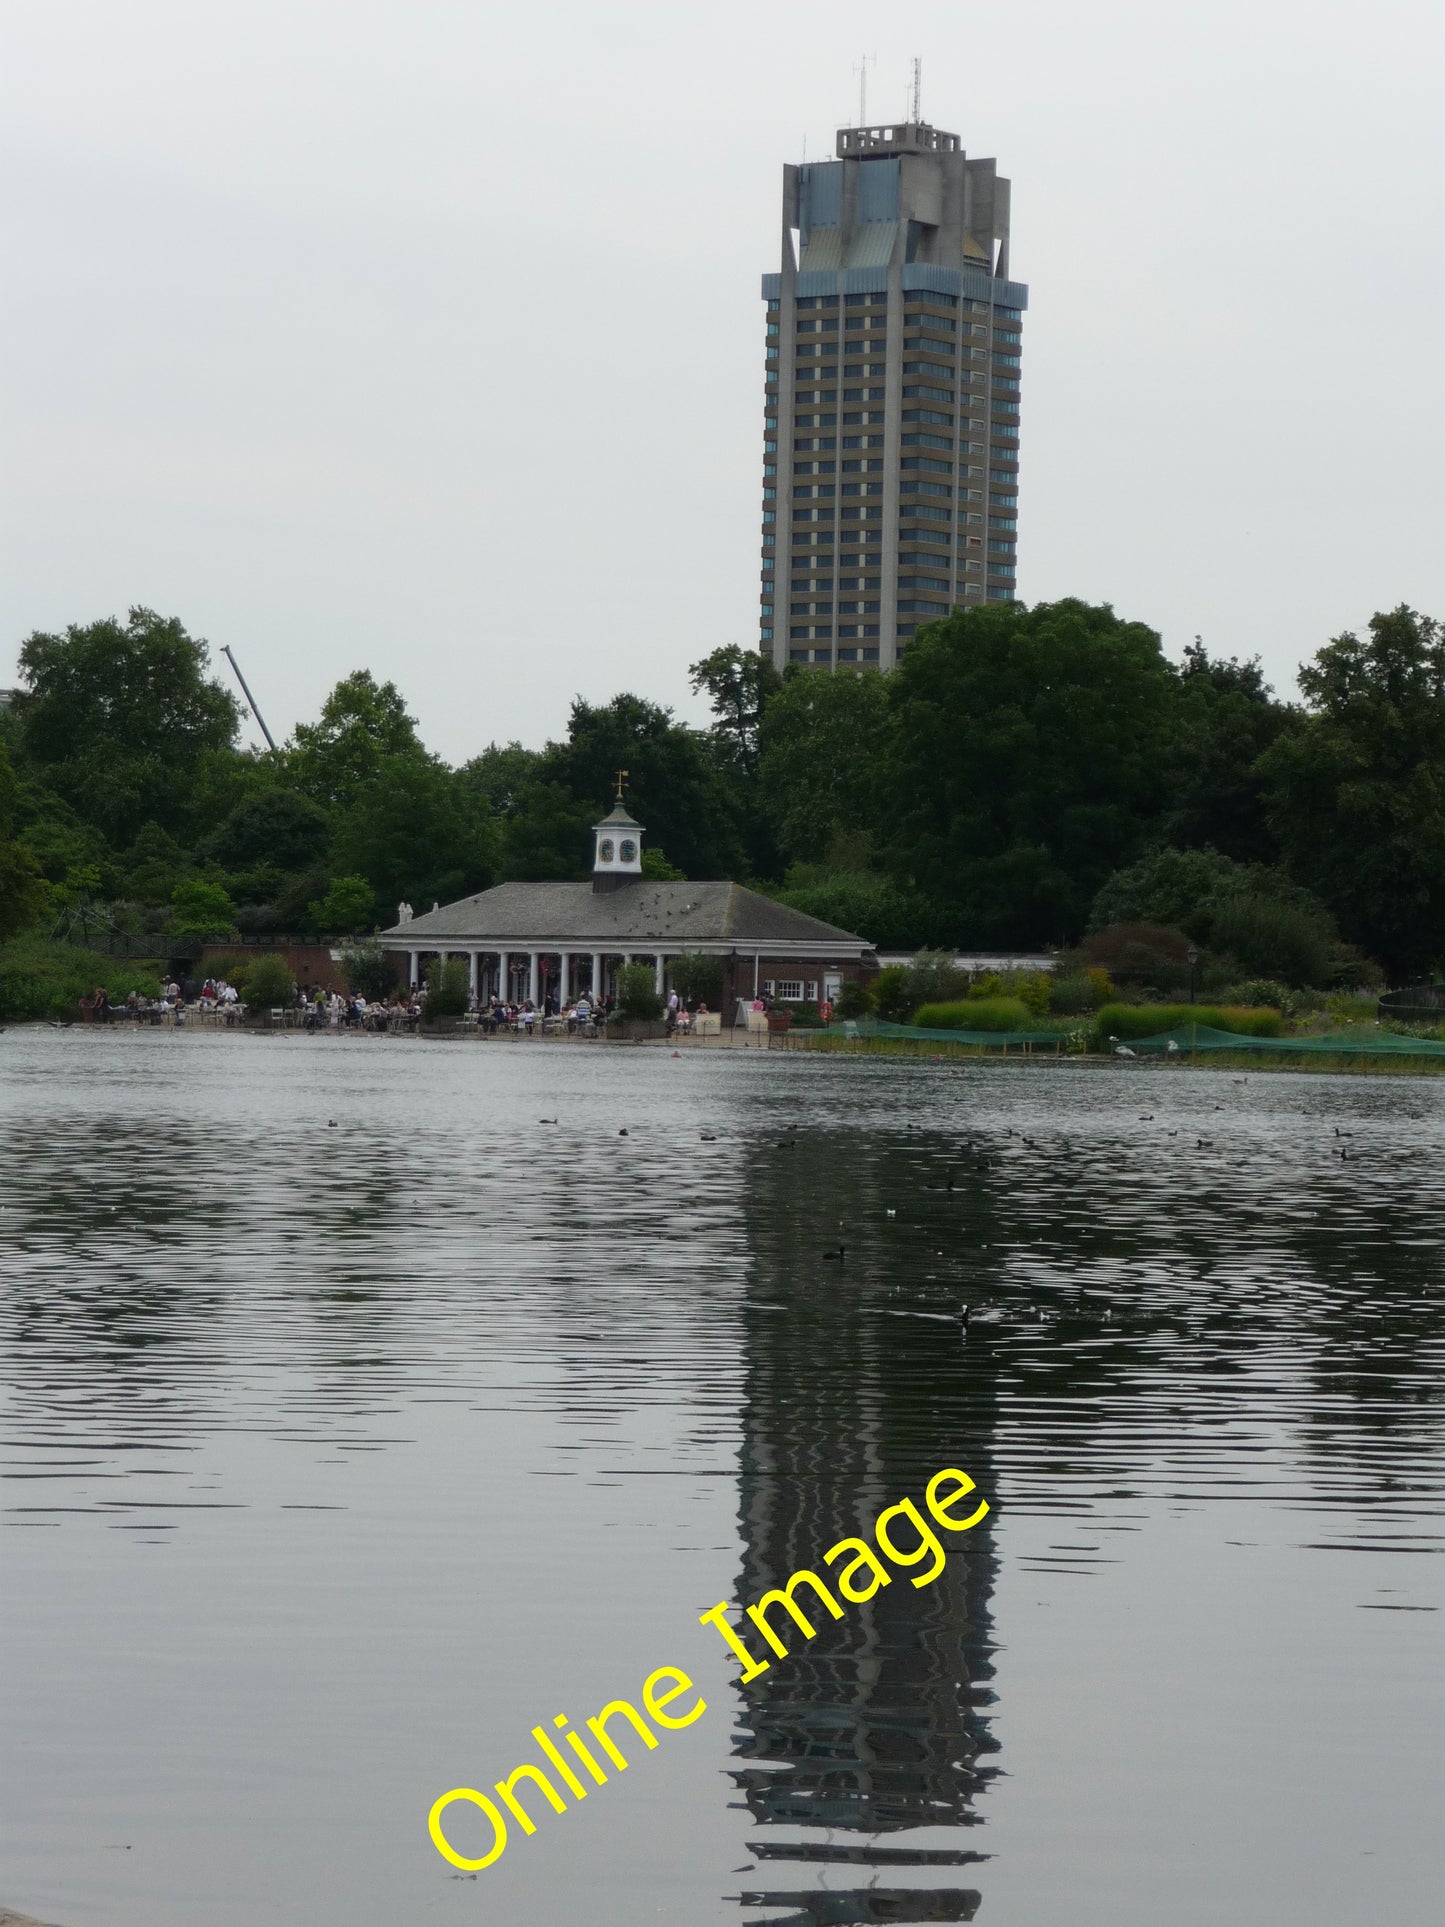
(789,990)
(812,996)
(768,986)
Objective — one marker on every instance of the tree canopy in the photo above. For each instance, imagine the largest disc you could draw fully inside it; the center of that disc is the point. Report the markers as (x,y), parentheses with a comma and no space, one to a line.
(1025,761)
(1356,790)
(115,718)
(1026,774)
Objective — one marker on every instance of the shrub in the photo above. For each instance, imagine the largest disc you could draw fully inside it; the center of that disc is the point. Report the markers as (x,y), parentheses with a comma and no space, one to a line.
(233,969)
(447,988)
(42,979)
(1032,991)
(854,1000)
(657,869)
(369,969)
(1168,887)
(200,909)
(637,997)
(892,995)
(349,904)
(805,1016)
(862,901)
(268,982)
(697,978)
(1144,954)
(932,978)
(1148,1020)
(1278,940)
(975,1013)
(1081,991)
(1261,990)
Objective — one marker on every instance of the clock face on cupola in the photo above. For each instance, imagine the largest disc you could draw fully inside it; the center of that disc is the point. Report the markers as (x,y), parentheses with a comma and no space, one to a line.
(618,857)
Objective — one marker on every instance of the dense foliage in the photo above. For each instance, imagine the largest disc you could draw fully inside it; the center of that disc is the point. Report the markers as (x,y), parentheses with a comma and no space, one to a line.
(637,996)
(42,979)
(1027,777)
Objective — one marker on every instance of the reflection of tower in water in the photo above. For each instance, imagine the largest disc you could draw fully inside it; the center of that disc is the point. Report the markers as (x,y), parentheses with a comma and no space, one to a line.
(879,1723)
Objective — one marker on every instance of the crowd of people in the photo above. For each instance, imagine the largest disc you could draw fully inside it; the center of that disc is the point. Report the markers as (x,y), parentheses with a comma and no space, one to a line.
(317,1008)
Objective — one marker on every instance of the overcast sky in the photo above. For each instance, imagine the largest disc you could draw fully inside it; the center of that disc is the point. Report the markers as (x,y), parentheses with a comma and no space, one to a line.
(427,337)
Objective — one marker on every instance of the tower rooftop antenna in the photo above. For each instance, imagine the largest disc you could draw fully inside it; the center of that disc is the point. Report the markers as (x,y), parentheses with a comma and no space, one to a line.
(916,103)
(862,72)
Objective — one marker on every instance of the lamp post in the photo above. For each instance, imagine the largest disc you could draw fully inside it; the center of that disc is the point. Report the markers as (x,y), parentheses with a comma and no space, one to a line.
(1193,960)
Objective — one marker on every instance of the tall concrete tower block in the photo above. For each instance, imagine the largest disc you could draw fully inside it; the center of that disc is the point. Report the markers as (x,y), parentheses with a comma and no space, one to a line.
(891,430)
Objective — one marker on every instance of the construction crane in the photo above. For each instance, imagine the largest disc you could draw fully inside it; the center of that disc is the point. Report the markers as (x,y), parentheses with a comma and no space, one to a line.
(246,691)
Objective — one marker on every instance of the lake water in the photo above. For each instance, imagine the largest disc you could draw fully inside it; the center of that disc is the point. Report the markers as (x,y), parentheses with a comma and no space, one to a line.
(337,1458)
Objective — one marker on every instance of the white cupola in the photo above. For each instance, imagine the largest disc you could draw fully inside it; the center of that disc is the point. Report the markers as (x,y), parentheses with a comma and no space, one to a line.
(617,855)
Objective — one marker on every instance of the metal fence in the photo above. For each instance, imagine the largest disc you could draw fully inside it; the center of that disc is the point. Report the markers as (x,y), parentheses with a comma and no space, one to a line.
(1415,1004)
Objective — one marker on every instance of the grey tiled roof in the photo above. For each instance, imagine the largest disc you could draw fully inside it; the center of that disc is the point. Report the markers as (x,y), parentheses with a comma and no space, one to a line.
(637,914)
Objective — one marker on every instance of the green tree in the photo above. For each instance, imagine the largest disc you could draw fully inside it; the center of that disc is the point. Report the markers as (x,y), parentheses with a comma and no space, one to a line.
(888,914)
(363,727)
(275,827)
(675,787)
(1227,719)
(1268,924)
(23,895)
(349,904)
(854,1000)
(697,977)
(152,868)
(547,837)
(740,683)
(1356,790)
(116,718)
(268,984)
(447,990)
(1272,938)
(1025,760)
(657,869)
(369,969)
(501,774)
(50,832)
(200,909)
(415,830)
(1170,887)
(821,738)
(637,996)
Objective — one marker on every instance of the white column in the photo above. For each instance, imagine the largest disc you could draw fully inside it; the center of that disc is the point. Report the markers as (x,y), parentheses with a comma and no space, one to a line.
(564,980)
(411,960)
(533,961)
(503,959)
(596,975)
(661,962)
(472,966)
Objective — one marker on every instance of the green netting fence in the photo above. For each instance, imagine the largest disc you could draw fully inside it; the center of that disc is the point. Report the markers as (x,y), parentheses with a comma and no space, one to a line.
(1356,1040)
(1186,1040)
(990,1039)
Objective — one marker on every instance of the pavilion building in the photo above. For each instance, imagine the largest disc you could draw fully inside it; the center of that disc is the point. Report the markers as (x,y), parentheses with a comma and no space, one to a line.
(540,940)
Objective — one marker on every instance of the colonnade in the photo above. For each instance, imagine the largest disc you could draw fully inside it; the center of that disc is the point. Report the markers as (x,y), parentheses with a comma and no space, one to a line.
(491,971)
